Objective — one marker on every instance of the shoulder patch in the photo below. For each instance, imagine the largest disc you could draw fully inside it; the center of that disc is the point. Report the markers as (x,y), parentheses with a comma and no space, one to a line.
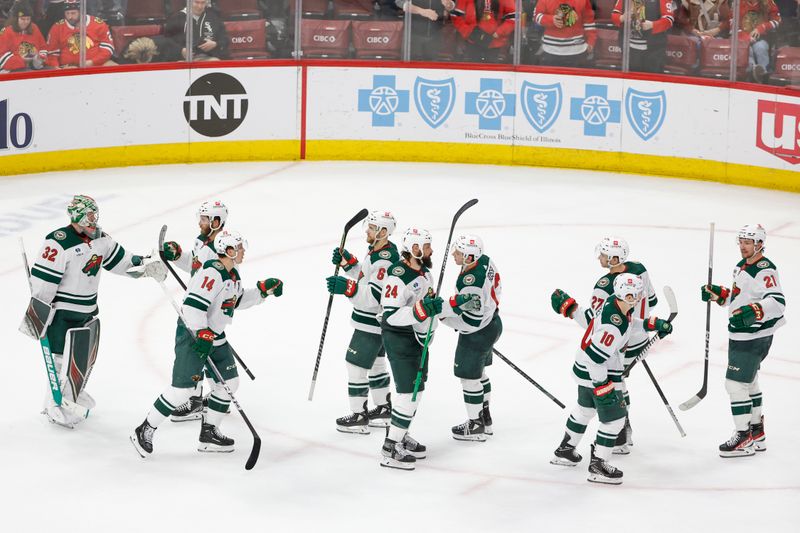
(219,266)
(469,279)
(398,271)
(385,254)
(59,235)
(762,264)
(616,320)
(603,282)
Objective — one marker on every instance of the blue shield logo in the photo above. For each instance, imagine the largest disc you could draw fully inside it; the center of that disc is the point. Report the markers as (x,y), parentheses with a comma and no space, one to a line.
(541,104)
(645,111)
(435,100)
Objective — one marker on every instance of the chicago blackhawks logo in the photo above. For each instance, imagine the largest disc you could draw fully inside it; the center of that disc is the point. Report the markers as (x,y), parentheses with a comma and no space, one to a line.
(27,50)
(92,267)
(567,14)
(73,43)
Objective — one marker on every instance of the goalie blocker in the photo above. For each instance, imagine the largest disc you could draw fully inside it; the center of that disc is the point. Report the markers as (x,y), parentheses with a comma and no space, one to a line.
(37,318)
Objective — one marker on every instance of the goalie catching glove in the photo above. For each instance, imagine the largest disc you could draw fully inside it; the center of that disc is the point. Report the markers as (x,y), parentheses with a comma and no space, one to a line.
(563,303)
(342,285)
(270,287)
(147,267)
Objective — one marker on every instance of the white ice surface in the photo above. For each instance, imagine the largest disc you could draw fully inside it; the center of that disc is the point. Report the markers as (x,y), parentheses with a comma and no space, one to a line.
(539,225)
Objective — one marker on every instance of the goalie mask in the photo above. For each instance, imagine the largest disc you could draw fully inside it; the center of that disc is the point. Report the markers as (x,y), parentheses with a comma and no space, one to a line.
(612,247)
(754,232)
(469,245)
(628,285)
(380,219)
(213,209)
(416,236)
(229,239)
(83,211)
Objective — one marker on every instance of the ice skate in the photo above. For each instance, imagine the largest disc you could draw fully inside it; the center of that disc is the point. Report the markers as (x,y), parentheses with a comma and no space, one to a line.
(212,440)
(758,436)
(565,454)
(354,423)
(192,409)
(380,416)
(473,430)
(600,471)
(739,445)
(142,439)
(394,455)
(419,451)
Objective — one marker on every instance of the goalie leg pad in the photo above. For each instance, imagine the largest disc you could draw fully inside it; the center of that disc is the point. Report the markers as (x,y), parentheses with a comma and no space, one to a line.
(81,349)
(37,317)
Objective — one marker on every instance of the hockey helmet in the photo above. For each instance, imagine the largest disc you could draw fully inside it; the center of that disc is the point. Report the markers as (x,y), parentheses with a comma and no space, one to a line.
(469,245)
(381,219)
(754,232)
(416,236)
(228,239)
(628,285)
(612,247)
(80,208)
(213,209)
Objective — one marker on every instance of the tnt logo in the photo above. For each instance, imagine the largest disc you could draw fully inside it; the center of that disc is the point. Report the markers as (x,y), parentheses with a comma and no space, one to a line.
(778,130)
(19,130)
(215,105)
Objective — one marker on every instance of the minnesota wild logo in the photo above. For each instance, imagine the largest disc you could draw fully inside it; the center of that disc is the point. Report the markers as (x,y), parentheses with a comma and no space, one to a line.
(92,267)
(228,306)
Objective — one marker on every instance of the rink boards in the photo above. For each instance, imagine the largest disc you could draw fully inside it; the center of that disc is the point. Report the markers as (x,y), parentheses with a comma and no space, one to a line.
(353,110)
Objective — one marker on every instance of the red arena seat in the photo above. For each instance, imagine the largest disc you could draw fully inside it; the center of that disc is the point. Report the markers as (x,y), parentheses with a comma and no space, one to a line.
(683,56)
(325,38)
(238,9)
(715,58)
(146,12)
(353,9)
(310,9)
(378,39)
(123,35)
(607,51)
(247,39)
(787,66)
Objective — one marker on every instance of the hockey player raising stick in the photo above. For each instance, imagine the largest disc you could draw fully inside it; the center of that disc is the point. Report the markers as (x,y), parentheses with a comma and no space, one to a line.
(215,292)
(598,371)
(612,253)
(756,304)
(365,358)
(473,312)
(408,307)
(211,217)
(65,276)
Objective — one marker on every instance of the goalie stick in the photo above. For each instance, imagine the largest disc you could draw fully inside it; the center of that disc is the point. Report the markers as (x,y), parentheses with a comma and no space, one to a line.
(161,236)
(458,214)
(256,450)
(361,215)
(694,400)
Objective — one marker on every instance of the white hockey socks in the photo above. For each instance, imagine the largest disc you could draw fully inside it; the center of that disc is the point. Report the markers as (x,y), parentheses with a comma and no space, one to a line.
(606,437)
(578,419)
(169,400)
(473,397)
(379,381)
(403,411)
(487,387)
(741,405)
(357,387)
(220,401)
(755,399)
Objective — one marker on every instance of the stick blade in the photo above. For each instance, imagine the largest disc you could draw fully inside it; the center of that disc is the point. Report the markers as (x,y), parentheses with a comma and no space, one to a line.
(361,215)
(691,402)
(254,453)
(672,302)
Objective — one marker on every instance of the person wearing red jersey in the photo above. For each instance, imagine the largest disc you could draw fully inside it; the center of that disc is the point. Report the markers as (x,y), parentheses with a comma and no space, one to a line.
(487,26)
(649,22)
(63,42)
(569,31)
(757,18)
(21,43)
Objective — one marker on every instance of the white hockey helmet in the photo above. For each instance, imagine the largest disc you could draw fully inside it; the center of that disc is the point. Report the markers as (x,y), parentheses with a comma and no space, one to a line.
(628,284)
(381,219)
(754,232)
(417,236)
(228,239)
(613,247)
(469,245)
(213,209)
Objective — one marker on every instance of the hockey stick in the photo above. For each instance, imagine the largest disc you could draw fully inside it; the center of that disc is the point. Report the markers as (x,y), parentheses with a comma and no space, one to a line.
(694,400)
(49,360)
(438,288)
(361,215)
(251,461)
(663,398)
(669,295)
(526,376)
(161,236)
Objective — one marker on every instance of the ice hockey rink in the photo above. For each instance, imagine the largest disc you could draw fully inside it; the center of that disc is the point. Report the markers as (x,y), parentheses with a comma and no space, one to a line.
(539,225)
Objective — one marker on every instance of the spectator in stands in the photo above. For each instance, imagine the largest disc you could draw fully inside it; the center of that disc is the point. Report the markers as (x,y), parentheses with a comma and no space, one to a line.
(209,40)
(63,42)
(757,18)
(22,46)
(427,19)
(112,11)
(486,26)
(705,19)
(156,49)
(569,31)
(648,26)
(53,12)
(789,30)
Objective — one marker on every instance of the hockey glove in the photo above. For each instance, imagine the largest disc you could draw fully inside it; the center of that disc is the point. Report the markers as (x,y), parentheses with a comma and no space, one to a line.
(342,285)
(563,303)
(465,302)
(427,307)
(270,287)
(659,325)
(480,38)
(715,293)
(204,343)
(172,251)
(343,258)
(746,316)
(605,394)
(147,267)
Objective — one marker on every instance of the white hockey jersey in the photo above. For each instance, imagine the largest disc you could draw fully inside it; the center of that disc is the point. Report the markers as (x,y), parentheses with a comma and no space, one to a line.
(483,279)
(213,295)
(66,271)
(202,252)
(757,283)
(402,292)
(370,275)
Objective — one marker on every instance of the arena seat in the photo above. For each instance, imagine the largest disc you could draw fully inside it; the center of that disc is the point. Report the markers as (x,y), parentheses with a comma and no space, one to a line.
(123,35)
(787,66)
(353,9)
(715,59)
(378,39)
(310,9)
(607,51)
(602,13)
(325,38)
(683,56)
(146,12)
(247,39)
(238,9)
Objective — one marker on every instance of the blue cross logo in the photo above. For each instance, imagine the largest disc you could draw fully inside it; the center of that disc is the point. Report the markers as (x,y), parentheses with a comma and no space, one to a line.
(595,110)
(491,104)
(383,101)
